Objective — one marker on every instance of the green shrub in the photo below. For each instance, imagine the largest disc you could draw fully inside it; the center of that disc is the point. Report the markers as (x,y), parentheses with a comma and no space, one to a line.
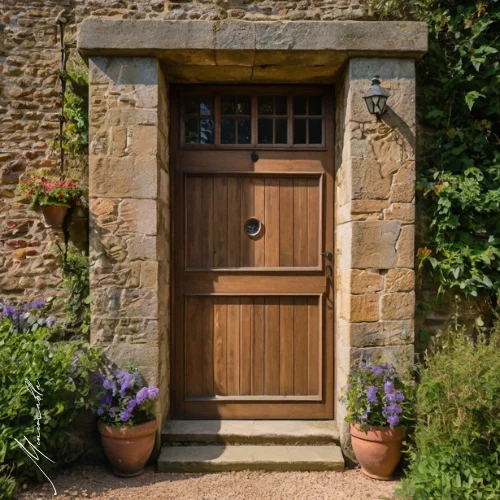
(456,453)
(7,484)
(31,365)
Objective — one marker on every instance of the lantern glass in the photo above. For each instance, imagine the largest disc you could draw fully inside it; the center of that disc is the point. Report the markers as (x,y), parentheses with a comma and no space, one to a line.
(376,98)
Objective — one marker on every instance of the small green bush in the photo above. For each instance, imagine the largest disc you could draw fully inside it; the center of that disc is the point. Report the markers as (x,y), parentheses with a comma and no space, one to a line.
(7,484)
(456,453)
(32,364)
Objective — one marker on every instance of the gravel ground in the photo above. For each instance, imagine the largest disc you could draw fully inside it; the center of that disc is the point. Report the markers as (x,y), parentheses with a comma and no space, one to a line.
(99,483)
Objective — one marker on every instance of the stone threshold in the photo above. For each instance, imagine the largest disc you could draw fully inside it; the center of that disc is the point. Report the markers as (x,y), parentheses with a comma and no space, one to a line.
(256,432)
(220,458)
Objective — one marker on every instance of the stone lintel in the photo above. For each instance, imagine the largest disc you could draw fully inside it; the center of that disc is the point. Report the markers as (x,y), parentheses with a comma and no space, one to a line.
(244,44)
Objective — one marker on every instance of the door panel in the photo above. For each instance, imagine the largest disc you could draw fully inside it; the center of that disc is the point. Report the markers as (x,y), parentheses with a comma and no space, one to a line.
(252,310)
(234,328)
(289,210)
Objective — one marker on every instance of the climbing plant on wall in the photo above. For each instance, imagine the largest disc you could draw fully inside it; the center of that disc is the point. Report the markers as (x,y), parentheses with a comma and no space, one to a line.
(459,148)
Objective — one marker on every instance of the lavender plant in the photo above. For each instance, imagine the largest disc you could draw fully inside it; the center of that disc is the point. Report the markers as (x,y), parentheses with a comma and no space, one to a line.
(27,317)
(375,396)
(123,397)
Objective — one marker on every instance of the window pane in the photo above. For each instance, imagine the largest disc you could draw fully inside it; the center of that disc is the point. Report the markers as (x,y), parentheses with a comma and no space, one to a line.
(243,105)
(265,105)
(207,132)
(280,105)
(315,131)
(299,105)
(191,105)
(244,132)
(299,131)
(265,131)
(280,132)
(207,106)
(227,132)
(315,105)
(227,105)
(191,131)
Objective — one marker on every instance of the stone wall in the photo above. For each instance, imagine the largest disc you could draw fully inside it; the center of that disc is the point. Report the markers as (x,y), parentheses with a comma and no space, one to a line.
(129,214)
(375,216)
(30,104)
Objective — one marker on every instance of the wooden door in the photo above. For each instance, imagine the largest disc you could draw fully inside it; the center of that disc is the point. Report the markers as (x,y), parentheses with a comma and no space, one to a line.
(252,330)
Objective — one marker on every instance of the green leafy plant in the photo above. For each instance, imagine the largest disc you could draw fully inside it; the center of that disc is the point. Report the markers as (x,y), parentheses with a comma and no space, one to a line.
(459,147)
(456,451)
(32,365)
(48,190)
(75,269)
(376,396)
(8,484)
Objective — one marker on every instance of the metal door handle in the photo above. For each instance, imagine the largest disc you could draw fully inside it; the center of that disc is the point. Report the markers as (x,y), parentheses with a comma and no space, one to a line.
(327,255)
(328,271)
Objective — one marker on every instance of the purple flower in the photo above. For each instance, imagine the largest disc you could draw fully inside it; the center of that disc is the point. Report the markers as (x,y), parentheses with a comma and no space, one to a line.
(399,396)
(100,411)
(106,399)
(377,370)
(37,303)
(142,395)
(393,420)
(10,312)
(372,394)
(153,392)
(388,386)
(394,408)
(124,415)
(126,383)
(97,379)
(112,412)
(107,384)
(131,405)
(50,321)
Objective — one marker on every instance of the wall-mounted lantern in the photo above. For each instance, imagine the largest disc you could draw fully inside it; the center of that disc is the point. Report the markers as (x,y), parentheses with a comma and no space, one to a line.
(376,98)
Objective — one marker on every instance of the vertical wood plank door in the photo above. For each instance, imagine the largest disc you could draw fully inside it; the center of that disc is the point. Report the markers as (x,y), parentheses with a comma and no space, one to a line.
(252,213)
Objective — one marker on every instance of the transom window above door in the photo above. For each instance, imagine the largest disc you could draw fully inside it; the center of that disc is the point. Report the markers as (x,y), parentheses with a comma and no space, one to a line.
(245,119)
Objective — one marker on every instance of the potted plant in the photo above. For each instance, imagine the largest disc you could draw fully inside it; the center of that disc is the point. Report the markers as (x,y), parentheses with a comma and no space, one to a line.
(52,195)
(125,407)
(377,411)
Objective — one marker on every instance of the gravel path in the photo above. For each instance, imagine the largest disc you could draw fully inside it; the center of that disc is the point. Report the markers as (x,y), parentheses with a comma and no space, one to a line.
(99,483)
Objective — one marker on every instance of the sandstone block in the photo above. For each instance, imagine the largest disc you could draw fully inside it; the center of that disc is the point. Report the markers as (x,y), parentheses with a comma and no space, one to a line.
(398,306)
(400,280)
(364,308)
(382,333)
(404,212)
(367,180)
(405,247)
(138,216)
(141,247)
(399,356)
(374,244)
(142,141)
(363,282)
(149,275)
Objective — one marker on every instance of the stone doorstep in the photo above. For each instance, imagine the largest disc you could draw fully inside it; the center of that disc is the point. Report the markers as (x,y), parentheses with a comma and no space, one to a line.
(255,432)
(220,458)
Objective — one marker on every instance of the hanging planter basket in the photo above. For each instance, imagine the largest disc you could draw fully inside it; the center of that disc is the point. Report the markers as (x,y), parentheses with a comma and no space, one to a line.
(54,215)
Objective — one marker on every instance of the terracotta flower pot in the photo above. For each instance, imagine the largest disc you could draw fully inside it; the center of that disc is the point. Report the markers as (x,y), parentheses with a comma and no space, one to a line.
(54,215)
(377,449)
(128,448)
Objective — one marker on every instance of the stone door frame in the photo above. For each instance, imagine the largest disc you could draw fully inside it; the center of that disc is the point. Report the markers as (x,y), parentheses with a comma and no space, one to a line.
(131,63)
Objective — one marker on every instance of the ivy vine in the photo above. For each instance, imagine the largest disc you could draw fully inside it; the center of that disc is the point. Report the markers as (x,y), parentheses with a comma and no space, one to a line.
(459,149)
